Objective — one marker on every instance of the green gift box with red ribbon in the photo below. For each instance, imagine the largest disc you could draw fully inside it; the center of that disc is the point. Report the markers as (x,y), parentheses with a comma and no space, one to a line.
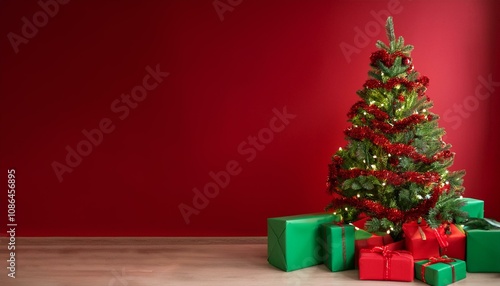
(338,245)
(440,271)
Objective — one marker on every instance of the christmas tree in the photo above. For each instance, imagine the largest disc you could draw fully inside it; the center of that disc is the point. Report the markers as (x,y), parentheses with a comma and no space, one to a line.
(394,168)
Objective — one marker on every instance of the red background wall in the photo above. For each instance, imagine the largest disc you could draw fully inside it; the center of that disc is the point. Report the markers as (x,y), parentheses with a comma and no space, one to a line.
(226,75)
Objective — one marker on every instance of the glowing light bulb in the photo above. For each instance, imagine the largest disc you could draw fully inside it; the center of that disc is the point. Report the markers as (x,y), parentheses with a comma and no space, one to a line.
(388,231)
(340,148)
(374,156)
(388,155)
(334,213)
(447,182)
(374,167)
(346,209)
(358,195)
(424,110)
(383,184)
(446,171)
(461,197)
(364,161)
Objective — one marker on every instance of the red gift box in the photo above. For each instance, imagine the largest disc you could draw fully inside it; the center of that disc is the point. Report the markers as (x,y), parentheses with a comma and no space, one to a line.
(420,240)
(424,242)
(374,241)
(380,263)
(456,242)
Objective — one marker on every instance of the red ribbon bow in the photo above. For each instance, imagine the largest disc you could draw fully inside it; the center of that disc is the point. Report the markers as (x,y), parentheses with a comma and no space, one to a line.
(444,259)
(385,251)
(434,260)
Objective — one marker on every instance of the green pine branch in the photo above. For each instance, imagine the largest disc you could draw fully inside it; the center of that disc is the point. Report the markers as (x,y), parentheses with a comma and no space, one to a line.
(394,45)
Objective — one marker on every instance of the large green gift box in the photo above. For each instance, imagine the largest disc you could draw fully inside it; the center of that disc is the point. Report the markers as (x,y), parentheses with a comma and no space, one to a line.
(474,207)
(294,242)
(440,273)
(483,250)
(338,246)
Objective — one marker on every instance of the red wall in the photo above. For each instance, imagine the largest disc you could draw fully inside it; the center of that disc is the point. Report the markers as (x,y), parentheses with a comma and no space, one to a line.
(223,80)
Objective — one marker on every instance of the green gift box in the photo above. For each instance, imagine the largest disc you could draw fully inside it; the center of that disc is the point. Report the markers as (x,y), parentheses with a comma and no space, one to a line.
(438,273)
(483,250)
(474,208)
(338,246)
(294,242)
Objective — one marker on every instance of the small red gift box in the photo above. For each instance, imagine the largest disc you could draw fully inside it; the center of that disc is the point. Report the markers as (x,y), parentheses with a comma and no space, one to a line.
(424,242)
(380,263)
(373,241)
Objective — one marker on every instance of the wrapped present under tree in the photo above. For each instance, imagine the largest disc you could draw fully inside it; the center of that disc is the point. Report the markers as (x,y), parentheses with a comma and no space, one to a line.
(381,263)
(474,208)
(424,241)
(294,242)
(440,271)
(483,245)
(338,244)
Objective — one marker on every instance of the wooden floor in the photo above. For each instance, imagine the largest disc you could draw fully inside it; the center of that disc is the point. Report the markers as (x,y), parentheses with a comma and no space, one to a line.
(167,261)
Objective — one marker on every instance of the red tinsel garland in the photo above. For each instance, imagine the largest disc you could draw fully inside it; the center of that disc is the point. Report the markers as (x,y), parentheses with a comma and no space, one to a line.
(392,178)
(372,109)
(397,149)
(388,59)
(380,116)
(398,81)
(378,210)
